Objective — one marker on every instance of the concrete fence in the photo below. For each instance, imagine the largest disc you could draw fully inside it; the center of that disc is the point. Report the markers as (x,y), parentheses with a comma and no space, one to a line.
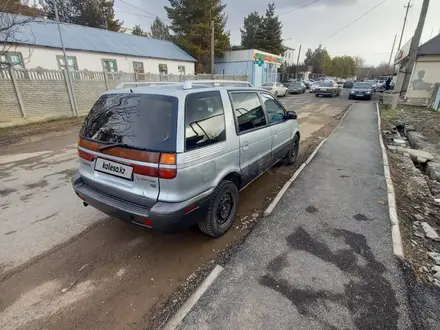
(41,94)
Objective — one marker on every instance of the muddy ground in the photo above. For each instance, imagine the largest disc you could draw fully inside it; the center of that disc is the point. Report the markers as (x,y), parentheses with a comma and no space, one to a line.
(39,131)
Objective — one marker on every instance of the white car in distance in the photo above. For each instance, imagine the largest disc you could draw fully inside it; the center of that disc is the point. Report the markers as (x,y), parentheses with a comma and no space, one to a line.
(277,89)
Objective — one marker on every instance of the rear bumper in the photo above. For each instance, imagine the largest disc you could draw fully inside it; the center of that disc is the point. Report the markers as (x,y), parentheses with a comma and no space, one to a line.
(365,96)
(324,92)
(165,217)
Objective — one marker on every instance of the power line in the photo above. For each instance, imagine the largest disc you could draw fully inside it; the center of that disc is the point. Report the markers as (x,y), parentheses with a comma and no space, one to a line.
(121,12)
(352,22)
(296,8)
(141,9)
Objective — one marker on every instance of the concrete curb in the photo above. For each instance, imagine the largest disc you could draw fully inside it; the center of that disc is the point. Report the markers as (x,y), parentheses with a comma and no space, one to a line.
(177,319)
(395,228)
(286,186)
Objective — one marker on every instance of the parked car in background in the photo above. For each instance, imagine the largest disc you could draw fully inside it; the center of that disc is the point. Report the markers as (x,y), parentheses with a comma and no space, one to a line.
(297,88)
(307,83)
(314,85)
(287,82)
(277,89)
(363,90)
(348,84)
(328,88)
(373,83)
(169,157)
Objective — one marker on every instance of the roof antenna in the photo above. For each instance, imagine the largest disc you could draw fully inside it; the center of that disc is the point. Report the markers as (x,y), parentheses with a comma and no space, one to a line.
(131,91)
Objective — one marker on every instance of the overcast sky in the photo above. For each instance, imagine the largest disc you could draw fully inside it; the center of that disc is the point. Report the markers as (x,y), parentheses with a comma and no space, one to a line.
(371,37)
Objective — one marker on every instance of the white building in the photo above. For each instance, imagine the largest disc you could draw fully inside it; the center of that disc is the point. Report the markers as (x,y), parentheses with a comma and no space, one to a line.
(289,56)
(260,67)
(37,45)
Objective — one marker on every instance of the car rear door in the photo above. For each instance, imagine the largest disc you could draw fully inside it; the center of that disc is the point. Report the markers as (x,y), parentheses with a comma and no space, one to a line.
(254,134)
(122,142)
(281,131)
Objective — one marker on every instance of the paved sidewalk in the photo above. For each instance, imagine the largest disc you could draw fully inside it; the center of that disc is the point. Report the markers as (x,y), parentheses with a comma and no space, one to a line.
(324,259)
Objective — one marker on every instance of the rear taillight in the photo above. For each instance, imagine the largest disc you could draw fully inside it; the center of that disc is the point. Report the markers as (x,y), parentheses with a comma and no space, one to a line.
(167,166)
(161,165)
(86,156)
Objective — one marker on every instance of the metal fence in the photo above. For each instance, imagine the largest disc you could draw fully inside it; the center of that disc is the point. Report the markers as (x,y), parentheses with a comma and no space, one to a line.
(41,92)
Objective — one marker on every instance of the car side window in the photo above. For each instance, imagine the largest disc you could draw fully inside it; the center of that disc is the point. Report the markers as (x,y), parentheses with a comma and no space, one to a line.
(275,113)
(204,120)
(248,111)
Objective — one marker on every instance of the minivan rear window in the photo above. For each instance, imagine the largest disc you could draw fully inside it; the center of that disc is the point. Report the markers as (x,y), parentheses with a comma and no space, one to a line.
(142,121)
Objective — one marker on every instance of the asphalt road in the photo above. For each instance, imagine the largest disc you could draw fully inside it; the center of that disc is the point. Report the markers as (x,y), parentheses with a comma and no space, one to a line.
(65,266)
(324,258)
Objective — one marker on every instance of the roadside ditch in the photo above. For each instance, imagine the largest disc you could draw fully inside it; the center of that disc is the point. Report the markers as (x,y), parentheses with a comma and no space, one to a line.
(412,136)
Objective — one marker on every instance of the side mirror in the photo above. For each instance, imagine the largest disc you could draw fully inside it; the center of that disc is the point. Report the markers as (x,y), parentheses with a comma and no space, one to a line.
(291,115)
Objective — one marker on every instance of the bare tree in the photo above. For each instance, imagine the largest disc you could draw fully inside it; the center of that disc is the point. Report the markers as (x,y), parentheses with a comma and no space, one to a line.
(10,25)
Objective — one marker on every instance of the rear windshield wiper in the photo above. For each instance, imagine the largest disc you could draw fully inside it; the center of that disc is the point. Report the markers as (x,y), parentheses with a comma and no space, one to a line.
(109,146)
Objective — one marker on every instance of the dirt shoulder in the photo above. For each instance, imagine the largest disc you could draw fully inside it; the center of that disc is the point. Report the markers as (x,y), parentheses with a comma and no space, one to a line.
(418,211)
(38,131)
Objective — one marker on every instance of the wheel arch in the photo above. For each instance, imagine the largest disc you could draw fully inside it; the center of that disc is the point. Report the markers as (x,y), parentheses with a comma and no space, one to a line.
(234,177)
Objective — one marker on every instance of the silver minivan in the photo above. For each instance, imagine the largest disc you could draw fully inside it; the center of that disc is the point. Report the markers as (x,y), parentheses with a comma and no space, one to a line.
(170,156)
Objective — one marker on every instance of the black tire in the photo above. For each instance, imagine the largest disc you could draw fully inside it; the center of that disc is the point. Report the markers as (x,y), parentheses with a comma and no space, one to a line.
(292,155)
(349,97)
(317,95)
(369,98)
(210,224)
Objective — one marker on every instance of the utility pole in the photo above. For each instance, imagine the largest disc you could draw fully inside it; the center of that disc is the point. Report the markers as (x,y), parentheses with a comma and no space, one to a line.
(212,49)
(415,44)
(69,78)
(412,53)
(297,62)
(408,6)
(392,49)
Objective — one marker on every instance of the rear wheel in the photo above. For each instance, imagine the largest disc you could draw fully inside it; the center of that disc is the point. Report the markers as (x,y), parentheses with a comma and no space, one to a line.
(292,155)
(221,211)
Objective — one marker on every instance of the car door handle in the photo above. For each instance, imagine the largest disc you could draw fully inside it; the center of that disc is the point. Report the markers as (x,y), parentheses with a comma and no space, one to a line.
(245,145)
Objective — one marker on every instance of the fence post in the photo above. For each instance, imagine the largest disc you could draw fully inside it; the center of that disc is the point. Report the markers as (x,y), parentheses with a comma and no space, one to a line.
(69,92)
(17,92)
(106,80)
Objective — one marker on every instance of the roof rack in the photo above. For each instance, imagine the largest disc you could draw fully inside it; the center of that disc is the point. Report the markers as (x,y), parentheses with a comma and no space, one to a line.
(128,84)
(187,84)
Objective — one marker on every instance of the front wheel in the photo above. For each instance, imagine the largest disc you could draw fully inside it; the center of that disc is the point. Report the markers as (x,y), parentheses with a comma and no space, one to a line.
(292,156)
(221,211)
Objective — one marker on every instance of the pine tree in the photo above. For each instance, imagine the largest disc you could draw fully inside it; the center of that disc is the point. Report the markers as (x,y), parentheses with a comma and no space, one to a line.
(273,43)
(159,30)
(192,28)
(252,35)
(93,13)
(137,31)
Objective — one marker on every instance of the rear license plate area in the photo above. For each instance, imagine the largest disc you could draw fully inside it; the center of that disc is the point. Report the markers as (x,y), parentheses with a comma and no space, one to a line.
(114,168)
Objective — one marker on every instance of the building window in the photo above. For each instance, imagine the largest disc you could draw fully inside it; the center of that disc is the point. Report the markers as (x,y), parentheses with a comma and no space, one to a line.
(71,63)
(109,65)
(204,120)
(163,69)
(12,59)
(138,67)
(181,69)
